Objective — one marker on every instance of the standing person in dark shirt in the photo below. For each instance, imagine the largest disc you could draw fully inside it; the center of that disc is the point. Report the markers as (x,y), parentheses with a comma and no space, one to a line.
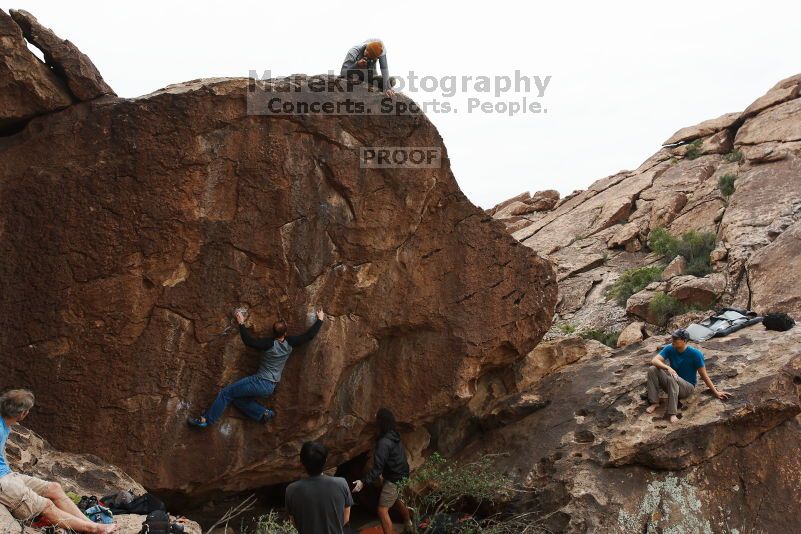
(318,504)
(245,392)
(389,463)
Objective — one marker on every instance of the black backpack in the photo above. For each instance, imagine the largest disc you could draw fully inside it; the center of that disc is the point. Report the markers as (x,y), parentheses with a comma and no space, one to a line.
(778,321)
(142,505)
(157,522)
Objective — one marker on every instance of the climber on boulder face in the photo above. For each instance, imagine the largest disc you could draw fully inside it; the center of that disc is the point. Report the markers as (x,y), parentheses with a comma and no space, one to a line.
(245,392)
(674,370)
(28,497)
(360,63)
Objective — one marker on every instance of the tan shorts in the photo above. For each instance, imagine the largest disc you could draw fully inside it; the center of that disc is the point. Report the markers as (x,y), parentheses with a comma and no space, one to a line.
(389,494)
(23,495)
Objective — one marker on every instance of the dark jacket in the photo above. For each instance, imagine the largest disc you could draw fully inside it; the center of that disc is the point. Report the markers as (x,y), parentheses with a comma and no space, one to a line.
(389,459)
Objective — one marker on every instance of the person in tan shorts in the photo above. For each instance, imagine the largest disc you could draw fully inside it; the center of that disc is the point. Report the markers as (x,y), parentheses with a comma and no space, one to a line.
(28,497)
(390,465)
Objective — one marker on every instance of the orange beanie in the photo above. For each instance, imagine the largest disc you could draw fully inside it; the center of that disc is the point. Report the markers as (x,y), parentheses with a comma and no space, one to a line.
(376,48)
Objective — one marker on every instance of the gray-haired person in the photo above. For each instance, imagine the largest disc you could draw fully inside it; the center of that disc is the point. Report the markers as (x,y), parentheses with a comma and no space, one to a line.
(674,370)
(28,497)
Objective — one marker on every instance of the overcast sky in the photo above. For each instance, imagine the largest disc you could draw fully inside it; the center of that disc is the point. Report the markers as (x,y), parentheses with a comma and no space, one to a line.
(624,75)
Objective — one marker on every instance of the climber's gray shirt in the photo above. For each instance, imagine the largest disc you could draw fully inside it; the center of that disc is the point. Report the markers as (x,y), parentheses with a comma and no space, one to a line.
(276,352)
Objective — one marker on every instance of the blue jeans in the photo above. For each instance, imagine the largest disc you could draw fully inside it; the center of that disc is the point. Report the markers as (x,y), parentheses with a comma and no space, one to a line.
(243,393)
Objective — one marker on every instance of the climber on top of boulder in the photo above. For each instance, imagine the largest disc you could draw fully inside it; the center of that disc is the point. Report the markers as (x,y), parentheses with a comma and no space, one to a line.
(243,393)
(674,371)
(28,497)
(360,63)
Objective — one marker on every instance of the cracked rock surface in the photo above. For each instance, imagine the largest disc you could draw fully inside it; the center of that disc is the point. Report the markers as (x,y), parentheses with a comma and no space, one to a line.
(592,460)
(130,228)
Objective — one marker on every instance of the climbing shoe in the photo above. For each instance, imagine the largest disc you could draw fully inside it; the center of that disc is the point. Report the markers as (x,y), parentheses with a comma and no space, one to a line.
(268,415)
(197,422)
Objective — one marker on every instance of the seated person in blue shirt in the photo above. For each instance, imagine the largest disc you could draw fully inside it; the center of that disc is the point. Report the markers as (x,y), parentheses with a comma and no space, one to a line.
(674,370)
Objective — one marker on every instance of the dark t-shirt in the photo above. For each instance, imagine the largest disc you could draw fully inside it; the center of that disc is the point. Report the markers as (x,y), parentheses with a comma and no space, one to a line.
(317,504)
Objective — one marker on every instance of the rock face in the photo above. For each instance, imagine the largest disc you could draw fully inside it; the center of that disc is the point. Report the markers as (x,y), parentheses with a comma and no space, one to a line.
(593,461)
(84,474)
(122,264)
(593,236)
(82,77)
(27,86)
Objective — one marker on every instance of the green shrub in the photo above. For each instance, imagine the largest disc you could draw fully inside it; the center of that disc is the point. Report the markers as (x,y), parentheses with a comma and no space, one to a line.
(694,150)
(632,281)
(726,184)
(566,328)
(607,337)
(734,156)
(694,246)
(271,523)
(442,487)
(663,306)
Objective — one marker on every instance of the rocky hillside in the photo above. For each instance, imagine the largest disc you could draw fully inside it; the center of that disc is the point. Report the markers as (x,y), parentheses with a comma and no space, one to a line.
(571,415)
(594,236)
(132,227)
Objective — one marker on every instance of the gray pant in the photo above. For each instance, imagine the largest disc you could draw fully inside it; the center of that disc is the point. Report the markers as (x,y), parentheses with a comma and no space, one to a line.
(677,388)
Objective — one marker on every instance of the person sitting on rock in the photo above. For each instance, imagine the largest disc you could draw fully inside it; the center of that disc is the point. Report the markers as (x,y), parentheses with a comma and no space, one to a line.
(674,370)
(243,393)
(28,497)
(360,63)
(319,504)
(389,462)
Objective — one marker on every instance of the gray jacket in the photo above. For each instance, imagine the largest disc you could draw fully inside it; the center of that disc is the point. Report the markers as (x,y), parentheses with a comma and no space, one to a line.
(357,52)
(276,352)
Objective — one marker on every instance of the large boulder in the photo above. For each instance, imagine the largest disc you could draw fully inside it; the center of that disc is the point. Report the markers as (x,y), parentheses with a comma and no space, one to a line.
(592,460)
(700,291)
(132,227)
(633,333)
(27,86)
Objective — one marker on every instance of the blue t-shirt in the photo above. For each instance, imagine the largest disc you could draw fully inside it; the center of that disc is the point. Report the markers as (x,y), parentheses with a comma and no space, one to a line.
(684,363)
(4,432)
